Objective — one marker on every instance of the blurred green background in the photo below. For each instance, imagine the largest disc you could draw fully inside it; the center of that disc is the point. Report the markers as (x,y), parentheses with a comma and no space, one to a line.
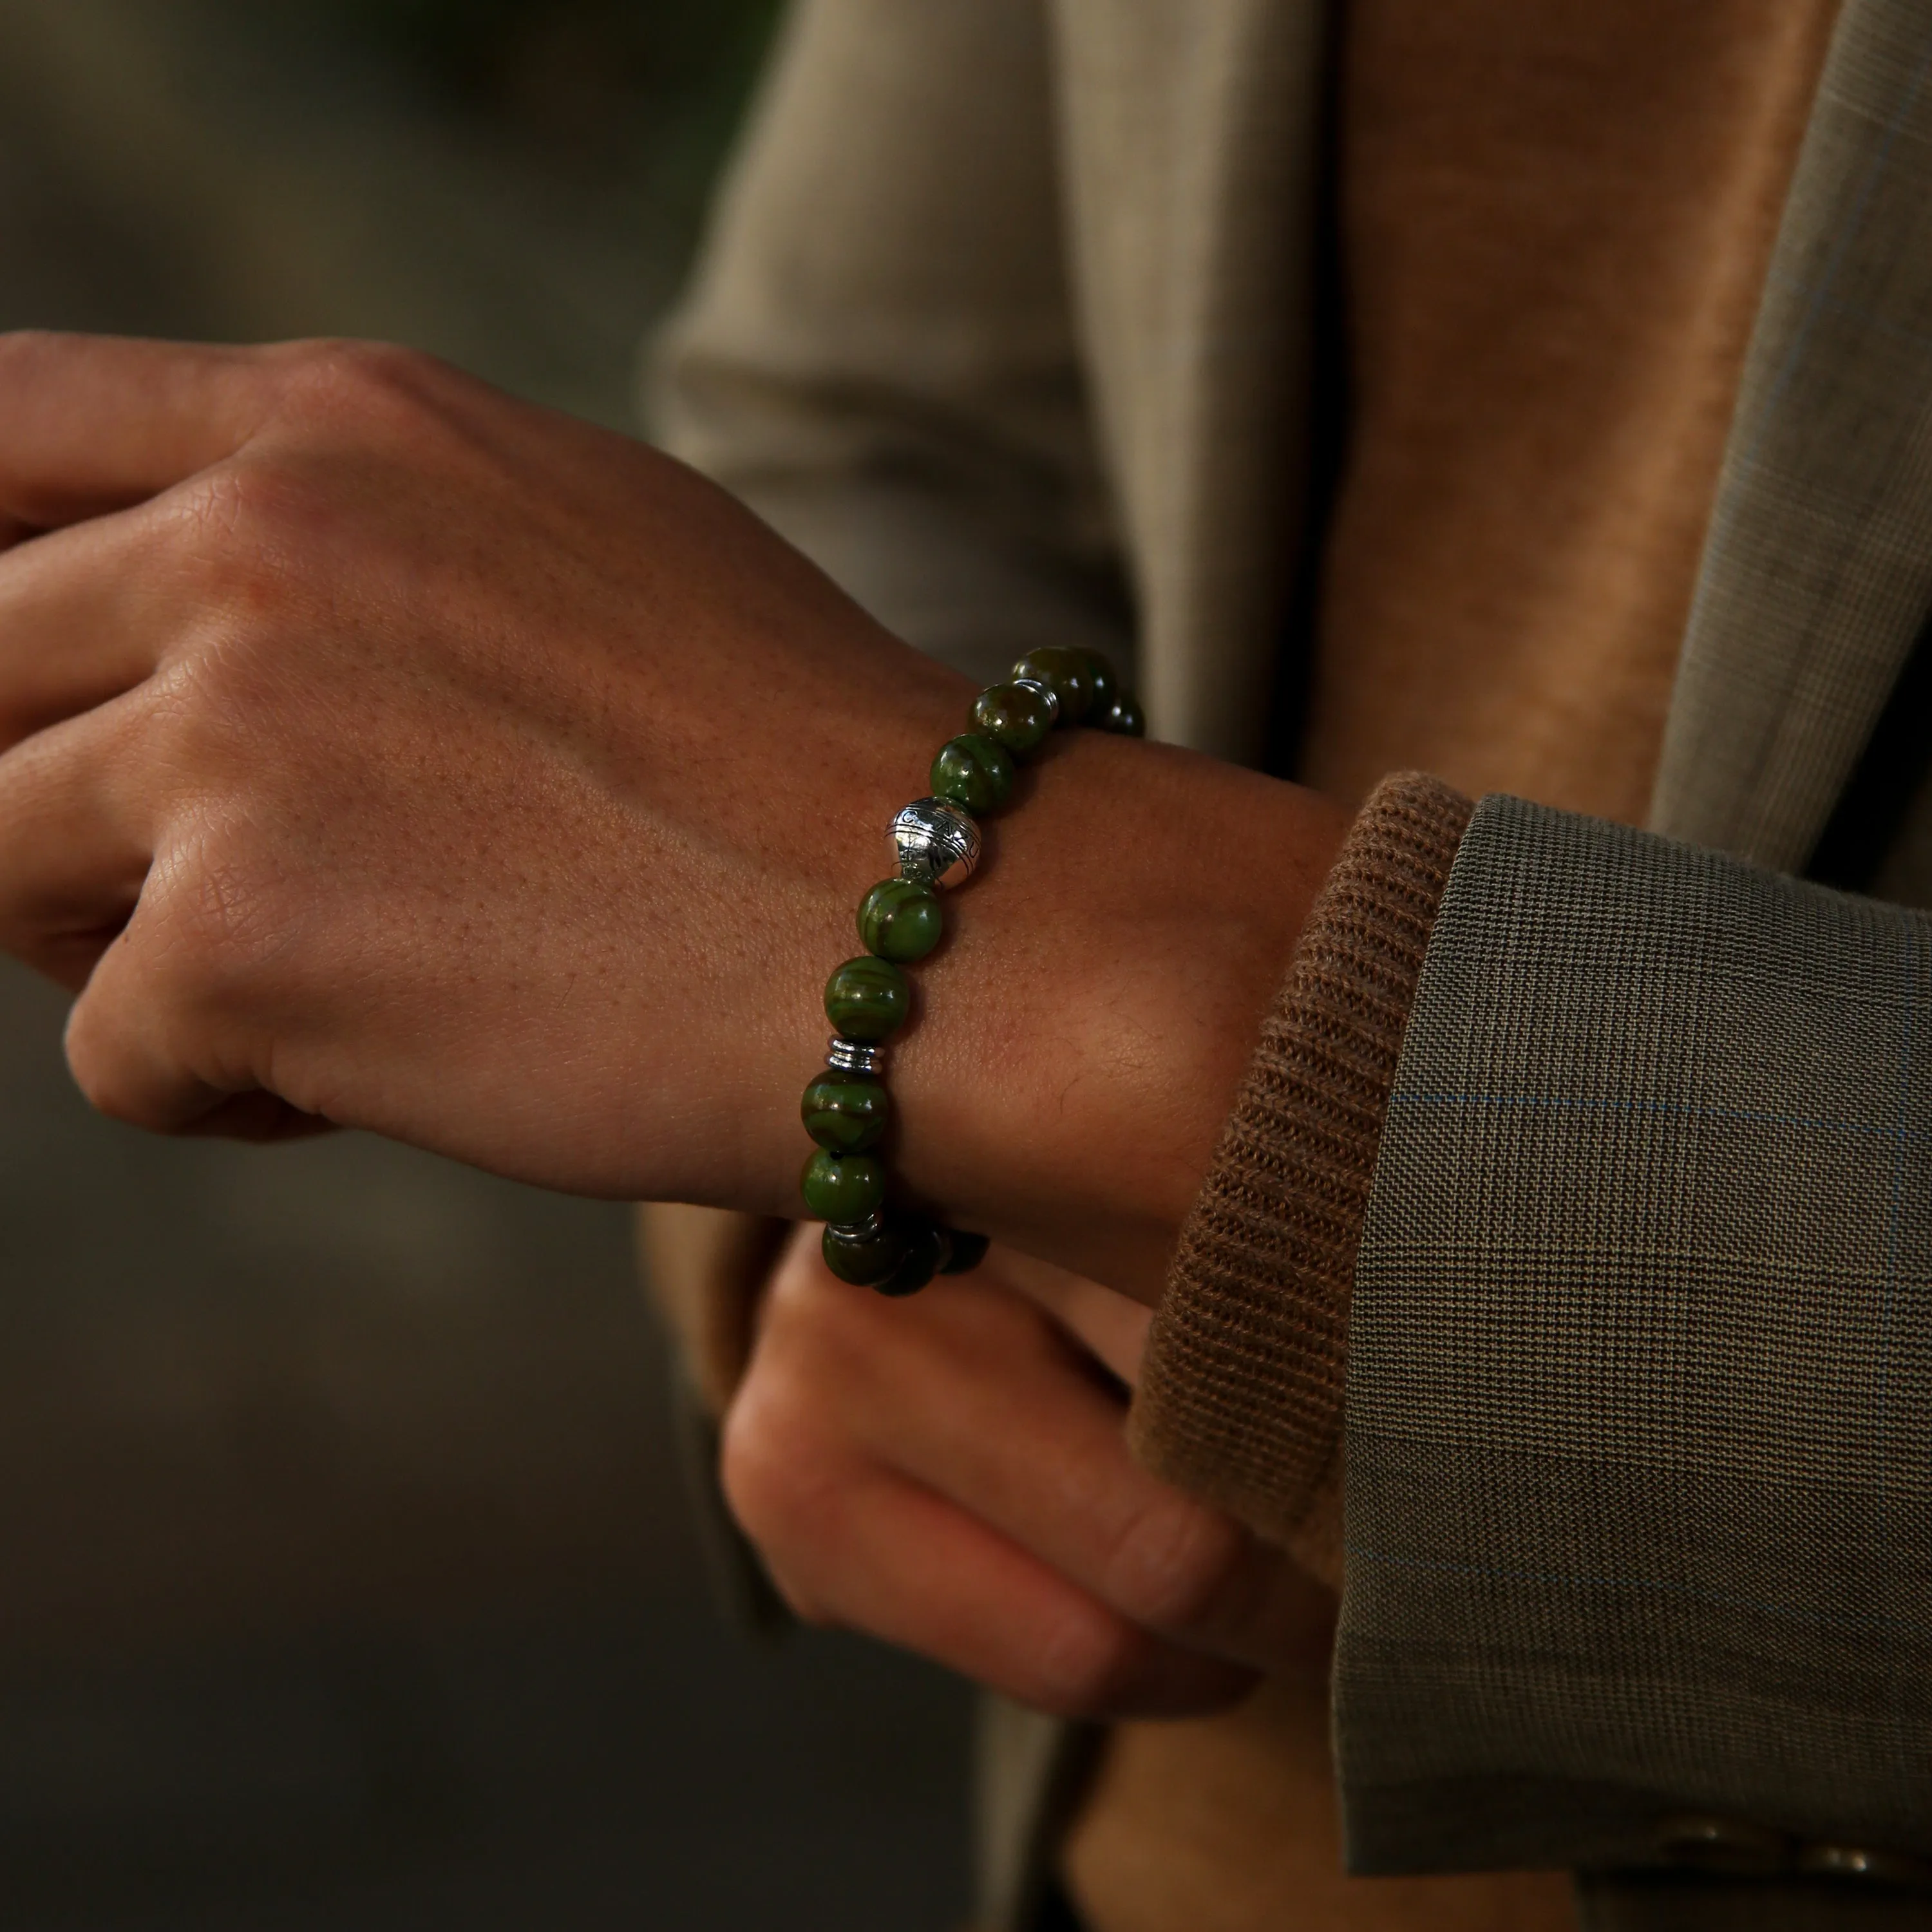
(344,1574)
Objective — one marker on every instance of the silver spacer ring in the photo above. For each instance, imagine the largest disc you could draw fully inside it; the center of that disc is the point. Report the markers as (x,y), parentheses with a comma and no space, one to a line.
(854,1056)
(1046,690)
(874,1223)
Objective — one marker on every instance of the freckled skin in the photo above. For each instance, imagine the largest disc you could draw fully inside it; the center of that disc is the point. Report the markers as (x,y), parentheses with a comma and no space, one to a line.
(376,749)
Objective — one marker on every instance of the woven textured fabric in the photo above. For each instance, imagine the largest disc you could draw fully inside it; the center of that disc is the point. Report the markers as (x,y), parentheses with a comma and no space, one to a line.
(1817,573)
(1639,1440)
(1240,1395)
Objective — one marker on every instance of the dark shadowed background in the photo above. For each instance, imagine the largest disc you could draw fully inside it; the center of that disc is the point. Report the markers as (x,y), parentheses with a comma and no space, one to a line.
(343,1576)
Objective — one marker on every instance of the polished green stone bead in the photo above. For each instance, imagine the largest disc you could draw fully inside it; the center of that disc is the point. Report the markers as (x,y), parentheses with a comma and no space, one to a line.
(1106,685)
(900,919)
(927,1248)
(847,1112)
(1124,717)
(967,1252)
(1017,718)
(974,772)
(867,998)
(866,1255)
(1067,670)
(843,1187)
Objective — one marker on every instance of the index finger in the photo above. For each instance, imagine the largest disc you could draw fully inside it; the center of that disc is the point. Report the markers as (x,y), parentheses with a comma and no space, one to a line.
(1112,1326)
(90,424)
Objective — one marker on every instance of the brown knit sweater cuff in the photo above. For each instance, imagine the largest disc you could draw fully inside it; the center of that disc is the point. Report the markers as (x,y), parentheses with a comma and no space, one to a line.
(1240,1394)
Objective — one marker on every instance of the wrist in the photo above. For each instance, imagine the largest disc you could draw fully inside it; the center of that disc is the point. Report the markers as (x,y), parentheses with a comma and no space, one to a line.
(1081,1035)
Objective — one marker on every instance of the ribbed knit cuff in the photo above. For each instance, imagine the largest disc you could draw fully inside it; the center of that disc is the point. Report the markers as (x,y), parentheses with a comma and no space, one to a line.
(1240,1394)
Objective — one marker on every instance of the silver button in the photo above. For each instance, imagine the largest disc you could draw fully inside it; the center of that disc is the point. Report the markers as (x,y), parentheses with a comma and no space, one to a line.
(1729,1845)
(1861,1862)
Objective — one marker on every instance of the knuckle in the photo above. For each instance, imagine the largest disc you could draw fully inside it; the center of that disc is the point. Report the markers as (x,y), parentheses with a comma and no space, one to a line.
(1088,1664)
(245,527)
(778,1482)
(1176,1566)
(216,923)
(338,382)
(773,1458)
(358,366)
(231,712)
(102,1069)
(803,1602)
(789,1463)
(796,1292)
(750,1467)
(822,1327)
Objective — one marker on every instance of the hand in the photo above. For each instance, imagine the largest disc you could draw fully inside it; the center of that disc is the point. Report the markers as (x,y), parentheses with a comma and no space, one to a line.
(949,1473)
(377,750)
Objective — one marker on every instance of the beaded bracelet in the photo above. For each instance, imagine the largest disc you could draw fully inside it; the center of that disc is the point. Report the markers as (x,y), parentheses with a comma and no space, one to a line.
(936,841)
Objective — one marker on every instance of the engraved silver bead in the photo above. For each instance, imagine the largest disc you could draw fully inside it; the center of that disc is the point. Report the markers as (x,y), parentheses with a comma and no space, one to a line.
(935,841)
(1046,690)
(854,1056)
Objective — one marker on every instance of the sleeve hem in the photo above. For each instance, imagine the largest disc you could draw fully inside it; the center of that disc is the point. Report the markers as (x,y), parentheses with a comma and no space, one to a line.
(1241,1400)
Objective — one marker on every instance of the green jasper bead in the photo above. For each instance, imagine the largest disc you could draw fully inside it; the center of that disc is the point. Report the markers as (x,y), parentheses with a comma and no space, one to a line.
(846,1112)
(967,1252)
(1106,685)
(975,772)
(900,919)
(865,1256)
(1124,717)
(1014,716)
(927,1248)
(1067,670)
(867,998)
(843,1187)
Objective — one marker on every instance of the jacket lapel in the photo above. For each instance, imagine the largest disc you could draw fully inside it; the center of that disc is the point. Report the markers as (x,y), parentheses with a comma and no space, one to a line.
(1192,135)
(1817,571)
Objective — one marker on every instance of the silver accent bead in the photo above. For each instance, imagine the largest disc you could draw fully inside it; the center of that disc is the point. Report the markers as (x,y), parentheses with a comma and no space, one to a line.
(935,841)
(1046,690)
(874,1223)
(854,1056)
